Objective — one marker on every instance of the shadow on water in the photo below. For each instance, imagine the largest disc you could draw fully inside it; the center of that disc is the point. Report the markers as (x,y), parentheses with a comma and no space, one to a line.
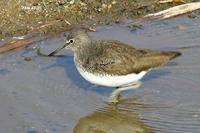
(120,118)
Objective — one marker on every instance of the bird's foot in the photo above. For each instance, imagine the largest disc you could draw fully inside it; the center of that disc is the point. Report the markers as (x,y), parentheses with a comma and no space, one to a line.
(114,97)
(112,100)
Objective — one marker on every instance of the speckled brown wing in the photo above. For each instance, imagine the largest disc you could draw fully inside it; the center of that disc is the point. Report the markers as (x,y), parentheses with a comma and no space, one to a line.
(116,58)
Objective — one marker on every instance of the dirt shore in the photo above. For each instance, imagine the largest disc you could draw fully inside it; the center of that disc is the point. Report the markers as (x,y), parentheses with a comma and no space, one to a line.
(18,17)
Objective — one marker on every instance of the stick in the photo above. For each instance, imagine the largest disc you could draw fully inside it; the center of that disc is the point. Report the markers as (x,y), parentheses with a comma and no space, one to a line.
(174,11)
(169,13)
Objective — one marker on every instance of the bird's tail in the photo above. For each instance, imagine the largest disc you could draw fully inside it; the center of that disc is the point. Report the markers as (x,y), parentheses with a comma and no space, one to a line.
(173,54)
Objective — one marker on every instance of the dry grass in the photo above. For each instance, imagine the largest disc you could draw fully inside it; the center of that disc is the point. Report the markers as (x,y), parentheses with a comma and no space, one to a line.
(17,17)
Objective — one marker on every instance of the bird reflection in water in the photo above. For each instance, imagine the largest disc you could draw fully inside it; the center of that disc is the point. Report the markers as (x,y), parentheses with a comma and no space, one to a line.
(115,118)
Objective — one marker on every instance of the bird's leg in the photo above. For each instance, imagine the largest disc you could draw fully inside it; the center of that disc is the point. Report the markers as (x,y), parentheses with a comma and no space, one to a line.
(114,97)
(133,85)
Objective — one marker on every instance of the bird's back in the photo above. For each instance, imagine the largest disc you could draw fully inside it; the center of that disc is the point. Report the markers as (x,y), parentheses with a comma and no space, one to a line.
(117,58)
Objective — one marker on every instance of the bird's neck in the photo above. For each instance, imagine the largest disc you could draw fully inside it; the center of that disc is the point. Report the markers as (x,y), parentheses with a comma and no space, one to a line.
(84,47)
(85,53)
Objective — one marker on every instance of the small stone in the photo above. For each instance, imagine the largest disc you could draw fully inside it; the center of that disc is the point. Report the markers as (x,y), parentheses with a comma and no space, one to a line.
(104,5)
(135,27)
(46,131)
(192,16)
(32,131)
(99,9)
(72,2)
(109,7)
(27,58)
(180,27)
(83,4)
(195,116)
(114,2)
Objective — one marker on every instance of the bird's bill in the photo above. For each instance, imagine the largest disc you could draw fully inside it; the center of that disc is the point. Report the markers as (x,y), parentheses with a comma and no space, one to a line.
(59,49)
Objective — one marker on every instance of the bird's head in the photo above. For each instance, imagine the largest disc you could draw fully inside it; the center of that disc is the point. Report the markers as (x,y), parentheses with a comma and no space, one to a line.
(77,39)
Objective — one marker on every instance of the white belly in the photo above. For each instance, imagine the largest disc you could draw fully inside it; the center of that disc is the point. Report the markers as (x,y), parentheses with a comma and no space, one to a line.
(111,81)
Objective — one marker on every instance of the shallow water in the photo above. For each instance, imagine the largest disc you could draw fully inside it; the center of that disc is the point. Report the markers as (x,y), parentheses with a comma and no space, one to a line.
(48,94)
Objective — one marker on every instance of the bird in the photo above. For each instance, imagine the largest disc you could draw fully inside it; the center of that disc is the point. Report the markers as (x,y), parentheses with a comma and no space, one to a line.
(112,63)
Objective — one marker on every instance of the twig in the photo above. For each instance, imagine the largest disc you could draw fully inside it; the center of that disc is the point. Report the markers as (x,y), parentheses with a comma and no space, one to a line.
(171,1)
(17,42)
(174,11)
(169,13)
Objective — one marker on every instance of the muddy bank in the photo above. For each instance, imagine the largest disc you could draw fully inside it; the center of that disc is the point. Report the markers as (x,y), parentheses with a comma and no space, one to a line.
(18,17)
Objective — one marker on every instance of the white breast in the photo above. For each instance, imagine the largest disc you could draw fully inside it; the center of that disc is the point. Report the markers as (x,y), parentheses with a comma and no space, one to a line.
(109,80)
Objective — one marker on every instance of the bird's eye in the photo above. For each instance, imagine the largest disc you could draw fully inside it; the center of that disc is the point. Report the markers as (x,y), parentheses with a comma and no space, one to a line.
(71,41)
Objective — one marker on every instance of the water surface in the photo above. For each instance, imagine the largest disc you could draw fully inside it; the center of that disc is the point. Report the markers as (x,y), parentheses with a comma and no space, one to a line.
(49,95)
